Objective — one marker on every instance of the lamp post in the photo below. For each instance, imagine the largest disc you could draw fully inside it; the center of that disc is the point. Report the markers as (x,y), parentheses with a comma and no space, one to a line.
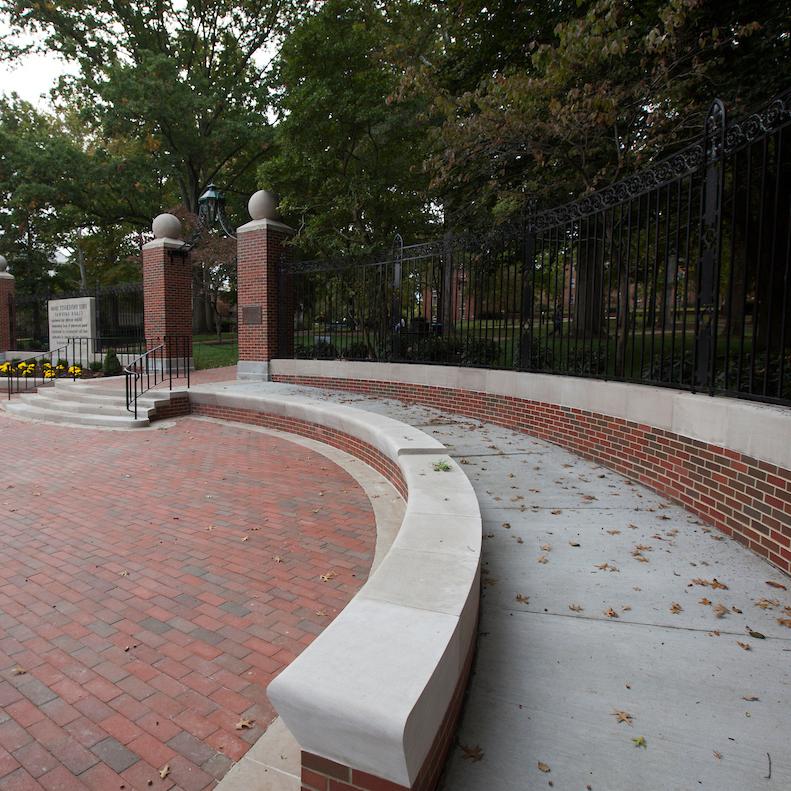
(211,211)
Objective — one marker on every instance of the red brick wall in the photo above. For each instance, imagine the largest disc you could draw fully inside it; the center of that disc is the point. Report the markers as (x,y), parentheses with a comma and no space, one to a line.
(7,293)
(167,297)
(747,499)
(259,253)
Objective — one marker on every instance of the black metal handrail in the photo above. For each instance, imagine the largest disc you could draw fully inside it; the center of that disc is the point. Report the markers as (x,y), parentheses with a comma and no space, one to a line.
(37,370)
(164,359)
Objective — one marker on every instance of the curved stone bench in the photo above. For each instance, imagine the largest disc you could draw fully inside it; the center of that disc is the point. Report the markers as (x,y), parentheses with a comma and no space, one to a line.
(375,697)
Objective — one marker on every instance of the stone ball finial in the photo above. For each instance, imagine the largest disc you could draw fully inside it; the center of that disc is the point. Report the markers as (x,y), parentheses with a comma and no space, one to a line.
(262,205)
(166,226)
(3,264)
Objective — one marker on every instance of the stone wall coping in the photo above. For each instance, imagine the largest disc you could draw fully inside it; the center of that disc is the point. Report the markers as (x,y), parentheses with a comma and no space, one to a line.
(762,431)
(373,688)
(164,243)
(264,225)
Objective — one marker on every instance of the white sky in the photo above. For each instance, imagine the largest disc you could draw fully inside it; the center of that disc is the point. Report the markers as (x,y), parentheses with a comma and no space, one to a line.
(31,77)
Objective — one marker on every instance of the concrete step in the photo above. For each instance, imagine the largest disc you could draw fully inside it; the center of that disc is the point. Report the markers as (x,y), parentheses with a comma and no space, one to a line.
(99,406)
(36,412)
(94,396)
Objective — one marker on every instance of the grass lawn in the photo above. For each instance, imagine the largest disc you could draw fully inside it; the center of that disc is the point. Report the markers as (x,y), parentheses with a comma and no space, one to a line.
(208,353)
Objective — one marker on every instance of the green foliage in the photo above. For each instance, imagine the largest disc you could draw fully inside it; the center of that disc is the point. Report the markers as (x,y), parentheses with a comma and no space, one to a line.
(112,365)
(349,149)
(96,366)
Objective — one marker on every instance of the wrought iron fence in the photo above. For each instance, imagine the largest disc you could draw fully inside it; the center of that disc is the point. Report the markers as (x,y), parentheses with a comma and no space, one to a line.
(676,276)
(119,314)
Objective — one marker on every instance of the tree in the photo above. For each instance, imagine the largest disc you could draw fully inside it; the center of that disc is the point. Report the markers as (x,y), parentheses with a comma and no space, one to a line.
(350,151)
(175,92)
(613,86)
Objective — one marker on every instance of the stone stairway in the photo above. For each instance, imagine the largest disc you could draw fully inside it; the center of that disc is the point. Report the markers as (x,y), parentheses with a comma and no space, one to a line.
(89,403)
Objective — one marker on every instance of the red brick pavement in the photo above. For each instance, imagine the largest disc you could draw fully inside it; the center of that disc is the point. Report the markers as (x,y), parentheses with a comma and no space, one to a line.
(152,583)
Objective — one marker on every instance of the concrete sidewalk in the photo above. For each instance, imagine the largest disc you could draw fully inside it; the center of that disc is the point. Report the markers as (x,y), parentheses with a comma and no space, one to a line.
(615,648)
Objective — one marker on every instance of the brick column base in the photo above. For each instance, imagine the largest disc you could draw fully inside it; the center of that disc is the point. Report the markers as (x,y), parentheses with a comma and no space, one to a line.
(263,297)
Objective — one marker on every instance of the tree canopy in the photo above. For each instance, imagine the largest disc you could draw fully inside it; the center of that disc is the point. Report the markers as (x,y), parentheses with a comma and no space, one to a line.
(366,116)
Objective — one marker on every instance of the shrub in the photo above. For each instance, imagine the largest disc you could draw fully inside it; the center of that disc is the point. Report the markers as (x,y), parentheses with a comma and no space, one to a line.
(324,351)
(112,365)
(480,351)
(96,366)
(357,351)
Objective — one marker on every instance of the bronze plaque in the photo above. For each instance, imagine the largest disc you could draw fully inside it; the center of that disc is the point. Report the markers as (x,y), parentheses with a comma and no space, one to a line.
(251,314)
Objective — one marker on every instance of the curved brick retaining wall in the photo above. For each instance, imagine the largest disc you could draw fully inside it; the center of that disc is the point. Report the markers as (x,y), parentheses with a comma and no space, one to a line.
(726,460)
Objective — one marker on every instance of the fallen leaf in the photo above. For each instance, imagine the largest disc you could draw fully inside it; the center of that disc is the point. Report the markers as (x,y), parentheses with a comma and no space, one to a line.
(778,585)
(614,532)
(574,543)
(18,671)
(743,646)
(784,622)
(756,635)
(328,576)
(736,610)
(546,547)
(278,559)
(750,698)
(575,607)
(124,573)
(704,601)
(244,538)
(715,583)
(244,723)
(543,559)
(714,633)
(717,755)
(767,604)
(522,599)
(519,540)
(623,716)
(543,767)
(164,771)
(556,511)
(640,742)
(610,613)
(473,754)
(720,610)
(506,525)
(676,608)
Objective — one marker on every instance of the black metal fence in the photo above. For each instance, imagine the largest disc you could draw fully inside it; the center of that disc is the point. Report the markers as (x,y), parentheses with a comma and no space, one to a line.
(677,276)
(119,314)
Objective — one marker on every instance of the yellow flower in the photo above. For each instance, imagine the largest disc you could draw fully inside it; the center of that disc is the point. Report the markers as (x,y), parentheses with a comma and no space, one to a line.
(49,374)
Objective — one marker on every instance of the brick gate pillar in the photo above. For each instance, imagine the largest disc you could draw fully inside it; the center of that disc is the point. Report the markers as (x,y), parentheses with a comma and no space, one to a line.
(7,297)
(167,292)
(265,310)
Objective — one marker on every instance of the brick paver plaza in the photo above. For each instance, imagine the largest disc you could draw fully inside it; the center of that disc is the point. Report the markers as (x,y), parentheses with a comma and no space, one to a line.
(151,585)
